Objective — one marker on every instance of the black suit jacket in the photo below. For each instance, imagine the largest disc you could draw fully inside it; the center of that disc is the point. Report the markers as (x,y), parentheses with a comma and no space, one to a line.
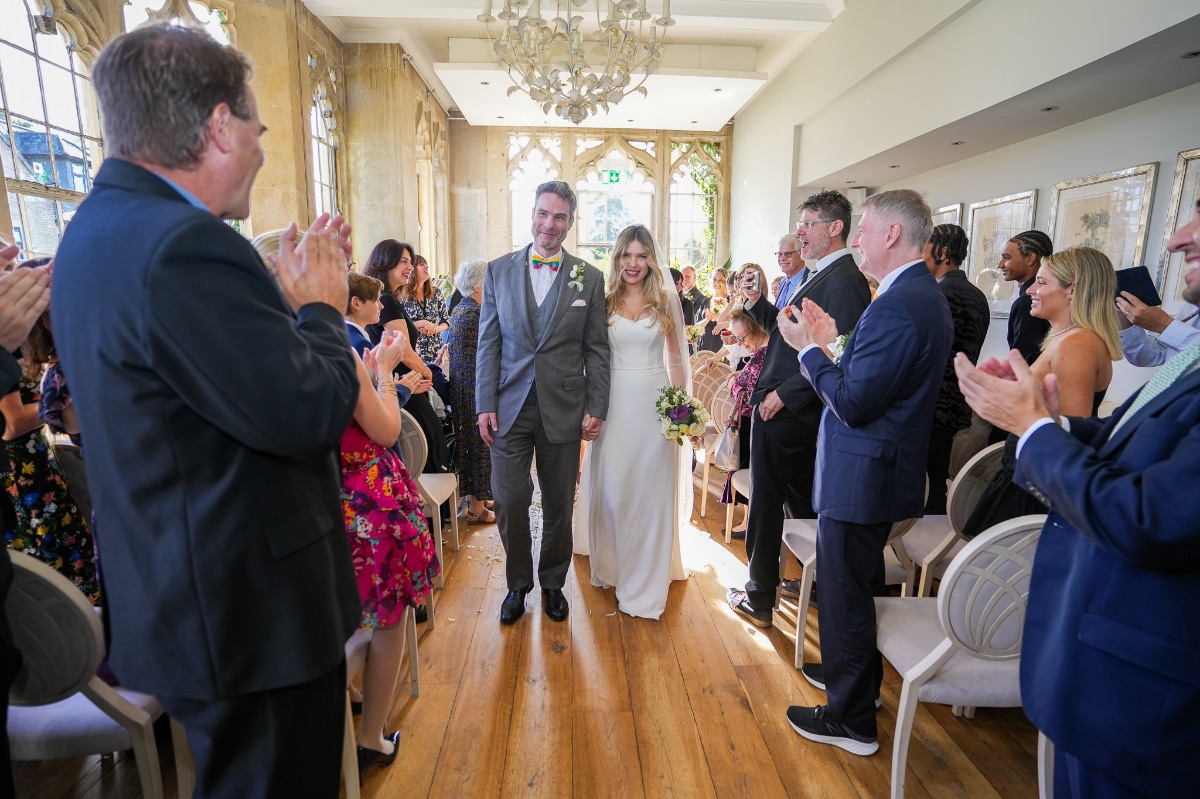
(213,417)
(842,291)
(1025,331)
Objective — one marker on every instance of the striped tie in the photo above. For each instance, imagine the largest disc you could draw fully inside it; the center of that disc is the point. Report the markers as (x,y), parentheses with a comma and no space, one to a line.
(1179,365)
(539,262)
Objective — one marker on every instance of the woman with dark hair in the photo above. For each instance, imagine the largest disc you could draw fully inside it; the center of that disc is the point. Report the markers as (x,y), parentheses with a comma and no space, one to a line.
(49,525)
(944,254)
(392,262)
(426,306)
(711,340)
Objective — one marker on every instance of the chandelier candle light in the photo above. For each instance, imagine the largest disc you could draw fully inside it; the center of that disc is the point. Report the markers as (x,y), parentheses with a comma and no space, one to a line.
(545,58)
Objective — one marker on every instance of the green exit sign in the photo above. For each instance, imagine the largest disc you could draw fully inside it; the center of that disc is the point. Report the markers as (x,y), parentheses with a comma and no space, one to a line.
(611,177)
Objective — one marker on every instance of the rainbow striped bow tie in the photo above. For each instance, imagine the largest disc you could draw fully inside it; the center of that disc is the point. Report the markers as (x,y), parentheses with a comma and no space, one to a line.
(553,263)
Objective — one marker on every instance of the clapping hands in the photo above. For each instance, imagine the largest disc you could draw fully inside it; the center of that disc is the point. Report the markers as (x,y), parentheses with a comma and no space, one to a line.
(313,269)
(1006,393)
(811,325)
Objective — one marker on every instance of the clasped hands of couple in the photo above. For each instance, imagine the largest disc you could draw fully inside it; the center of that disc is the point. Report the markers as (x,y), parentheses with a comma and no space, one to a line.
(590,430)
(1004,393)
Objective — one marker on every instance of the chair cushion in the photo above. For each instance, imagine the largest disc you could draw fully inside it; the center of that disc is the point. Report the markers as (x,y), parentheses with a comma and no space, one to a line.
(741,482)
(925,535)
(909,629)
(70,728)
(800,536)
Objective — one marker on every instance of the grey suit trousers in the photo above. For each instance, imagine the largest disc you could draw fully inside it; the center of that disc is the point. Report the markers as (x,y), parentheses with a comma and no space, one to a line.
(512,487)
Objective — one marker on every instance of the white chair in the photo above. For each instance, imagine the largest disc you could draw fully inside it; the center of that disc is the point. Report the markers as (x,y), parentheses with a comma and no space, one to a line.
(707,386)
(58,707)
(962,648)
(701,357)
(967,442)
(934,540)
(1045,767)
(435,488)
(800,538)
(740,484)
(1106,409)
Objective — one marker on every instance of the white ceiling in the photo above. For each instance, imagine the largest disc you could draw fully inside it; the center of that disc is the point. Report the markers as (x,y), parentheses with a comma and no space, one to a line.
(719,55)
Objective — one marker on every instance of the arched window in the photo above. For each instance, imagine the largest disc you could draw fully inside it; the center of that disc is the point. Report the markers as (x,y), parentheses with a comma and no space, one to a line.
(696,181)
(613,195)
(212,18)
(534,160)
(49,127)
(322,126)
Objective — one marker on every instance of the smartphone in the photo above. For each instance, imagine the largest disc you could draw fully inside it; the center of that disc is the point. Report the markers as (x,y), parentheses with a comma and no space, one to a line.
(754,282)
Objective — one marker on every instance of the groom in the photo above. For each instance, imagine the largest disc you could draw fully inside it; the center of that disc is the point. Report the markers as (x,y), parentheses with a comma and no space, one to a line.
(541,385)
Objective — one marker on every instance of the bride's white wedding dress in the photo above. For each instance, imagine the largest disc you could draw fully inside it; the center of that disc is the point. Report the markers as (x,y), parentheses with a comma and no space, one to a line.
(635,487)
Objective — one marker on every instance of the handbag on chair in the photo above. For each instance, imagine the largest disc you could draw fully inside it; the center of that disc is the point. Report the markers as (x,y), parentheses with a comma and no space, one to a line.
(727,454)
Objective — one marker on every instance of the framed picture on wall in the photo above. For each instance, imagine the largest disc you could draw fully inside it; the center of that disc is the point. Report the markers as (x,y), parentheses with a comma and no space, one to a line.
(948,215)
(1184,194)
(1109,211)
(990,224)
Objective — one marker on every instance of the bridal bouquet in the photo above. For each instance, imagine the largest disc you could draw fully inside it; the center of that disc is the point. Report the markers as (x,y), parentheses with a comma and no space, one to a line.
(694,333)
(682,415)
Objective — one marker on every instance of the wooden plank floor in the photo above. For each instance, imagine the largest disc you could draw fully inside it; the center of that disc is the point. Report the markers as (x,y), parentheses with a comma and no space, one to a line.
(605,705)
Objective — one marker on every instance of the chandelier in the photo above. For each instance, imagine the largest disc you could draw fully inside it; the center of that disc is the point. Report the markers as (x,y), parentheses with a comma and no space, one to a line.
(545,58)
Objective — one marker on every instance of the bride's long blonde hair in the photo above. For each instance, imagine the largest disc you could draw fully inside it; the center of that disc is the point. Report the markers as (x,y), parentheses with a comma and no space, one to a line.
(653,291)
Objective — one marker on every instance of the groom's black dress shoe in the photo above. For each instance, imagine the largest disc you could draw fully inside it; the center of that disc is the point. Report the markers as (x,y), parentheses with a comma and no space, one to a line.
(513,607)
(555,603)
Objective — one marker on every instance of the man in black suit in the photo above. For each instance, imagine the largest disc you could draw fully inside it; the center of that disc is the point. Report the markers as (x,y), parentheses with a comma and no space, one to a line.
(689,310)
(879,398)
(24,295)
(783,435)
(213,402)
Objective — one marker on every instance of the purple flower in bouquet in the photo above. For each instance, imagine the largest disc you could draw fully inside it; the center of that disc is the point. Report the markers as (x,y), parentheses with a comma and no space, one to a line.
(680,413)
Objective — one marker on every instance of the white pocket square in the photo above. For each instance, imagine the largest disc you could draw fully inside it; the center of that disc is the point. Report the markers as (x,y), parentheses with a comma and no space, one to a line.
(578,304)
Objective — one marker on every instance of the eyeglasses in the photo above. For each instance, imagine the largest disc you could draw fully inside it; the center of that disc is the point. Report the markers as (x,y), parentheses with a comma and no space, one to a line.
(808,223)
(740,339)
(787,254)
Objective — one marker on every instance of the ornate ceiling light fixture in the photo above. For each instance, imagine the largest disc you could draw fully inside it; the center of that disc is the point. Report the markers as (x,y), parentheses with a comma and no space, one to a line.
(545,58)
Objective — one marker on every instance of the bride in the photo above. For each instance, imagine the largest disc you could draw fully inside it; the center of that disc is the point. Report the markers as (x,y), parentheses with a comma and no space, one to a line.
(636,488)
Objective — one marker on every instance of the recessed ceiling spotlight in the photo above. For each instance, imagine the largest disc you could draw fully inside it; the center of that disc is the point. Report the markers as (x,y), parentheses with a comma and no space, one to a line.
(718,88)
(630,120)
(849,182)
(695,122)
(1192,54)
(1051,108)
(484,83)
(956,143)
(499,117)
(894,166)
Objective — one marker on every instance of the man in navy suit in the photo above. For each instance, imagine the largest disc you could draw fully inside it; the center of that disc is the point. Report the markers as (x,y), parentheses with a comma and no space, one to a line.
(1110,664)
(879,399)
(228,586)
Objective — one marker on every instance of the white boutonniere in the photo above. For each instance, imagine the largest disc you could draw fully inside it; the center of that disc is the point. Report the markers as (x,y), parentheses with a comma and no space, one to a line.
(837,347)
(576,281)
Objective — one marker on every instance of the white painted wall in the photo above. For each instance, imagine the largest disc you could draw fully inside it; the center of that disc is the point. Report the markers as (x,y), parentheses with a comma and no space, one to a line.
(1154,130)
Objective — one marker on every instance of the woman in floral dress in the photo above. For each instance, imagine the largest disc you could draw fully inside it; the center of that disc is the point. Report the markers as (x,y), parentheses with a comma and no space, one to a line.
(392,551)
(426,305)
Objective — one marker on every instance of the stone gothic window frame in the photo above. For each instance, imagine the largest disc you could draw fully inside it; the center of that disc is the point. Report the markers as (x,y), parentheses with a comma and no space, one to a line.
(82,39)
(325,111)
(687,154)
(658,162)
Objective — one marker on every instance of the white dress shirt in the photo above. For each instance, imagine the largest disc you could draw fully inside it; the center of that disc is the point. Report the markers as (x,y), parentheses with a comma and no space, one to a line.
(1141,348)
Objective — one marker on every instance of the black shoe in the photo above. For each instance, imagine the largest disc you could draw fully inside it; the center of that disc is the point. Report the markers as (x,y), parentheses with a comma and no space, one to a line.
(739,602)
(355,707)
(817,724)
(737,535)
(514,606)
(815,674)
(373,757)
(421,614)
(554,603)
(789,589)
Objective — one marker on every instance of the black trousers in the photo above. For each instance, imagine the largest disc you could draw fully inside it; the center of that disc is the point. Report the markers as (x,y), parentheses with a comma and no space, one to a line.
(284,743)
(941,442)
(850,557)
(783,457)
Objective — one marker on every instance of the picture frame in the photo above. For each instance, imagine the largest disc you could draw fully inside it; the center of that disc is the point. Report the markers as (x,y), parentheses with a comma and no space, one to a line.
(1185,191)
(1109,211)
(948,215)
(990,224)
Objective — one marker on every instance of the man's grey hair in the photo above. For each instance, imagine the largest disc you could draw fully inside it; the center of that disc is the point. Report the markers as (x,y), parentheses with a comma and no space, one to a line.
(792,239)
(470,276)
(158,86)
(559,188)
(909,209)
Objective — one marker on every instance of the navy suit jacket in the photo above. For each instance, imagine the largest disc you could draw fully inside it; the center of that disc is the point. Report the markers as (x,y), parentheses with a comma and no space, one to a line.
(1110,663)
(879,400)
(358,342)
(213,466)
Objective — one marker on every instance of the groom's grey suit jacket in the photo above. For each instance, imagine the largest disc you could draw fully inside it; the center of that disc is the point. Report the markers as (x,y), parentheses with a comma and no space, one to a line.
(559,348)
